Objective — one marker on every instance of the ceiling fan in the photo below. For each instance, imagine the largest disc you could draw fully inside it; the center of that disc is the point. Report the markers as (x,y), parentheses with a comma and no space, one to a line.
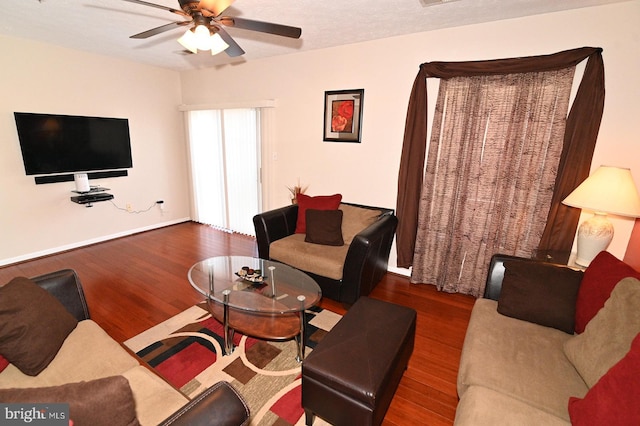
(206,21)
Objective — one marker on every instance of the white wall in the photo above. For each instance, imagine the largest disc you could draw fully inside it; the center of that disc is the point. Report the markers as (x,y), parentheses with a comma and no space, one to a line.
(40,219)
(367,172)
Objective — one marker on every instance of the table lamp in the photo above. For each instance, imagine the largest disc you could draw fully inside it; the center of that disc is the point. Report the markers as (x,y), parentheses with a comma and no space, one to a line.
(607,190)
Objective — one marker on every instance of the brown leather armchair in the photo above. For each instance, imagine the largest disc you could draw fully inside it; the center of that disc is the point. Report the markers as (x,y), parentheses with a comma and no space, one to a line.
(367,257)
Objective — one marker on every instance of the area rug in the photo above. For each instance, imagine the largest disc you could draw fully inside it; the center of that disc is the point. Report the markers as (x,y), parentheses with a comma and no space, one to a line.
(186,350)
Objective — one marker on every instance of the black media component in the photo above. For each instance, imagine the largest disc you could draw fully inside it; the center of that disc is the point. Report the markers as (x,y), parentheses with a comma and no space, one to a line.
(91,198)
(69,178)
(94,195)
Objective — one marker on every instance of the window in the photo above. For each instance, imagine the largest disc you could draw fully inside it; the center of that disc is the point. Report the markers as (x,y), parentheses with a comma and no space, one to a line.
(225,167)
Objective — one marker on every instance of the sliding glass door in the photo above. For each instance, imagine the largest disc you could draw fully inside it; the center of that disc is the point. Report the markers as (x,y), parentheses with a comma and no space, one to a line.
(225,167)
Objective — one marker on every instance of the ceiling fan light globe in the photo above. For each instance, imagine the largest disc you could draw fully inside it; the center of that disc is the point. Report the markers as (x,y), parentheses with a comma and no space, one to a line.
(188,41)
(202,37)
(218,45)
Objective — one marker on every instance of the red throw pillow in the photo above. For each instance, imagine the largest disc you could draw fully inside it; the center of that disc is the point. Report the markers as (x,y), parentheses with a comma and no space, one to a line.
(613,400)
(320,202)
(4,363)
(602,275)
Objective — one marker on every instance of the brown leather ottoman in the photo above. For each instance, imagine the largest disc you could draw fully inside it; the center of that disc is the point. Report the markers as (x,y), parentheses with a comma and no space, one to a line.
(352,374)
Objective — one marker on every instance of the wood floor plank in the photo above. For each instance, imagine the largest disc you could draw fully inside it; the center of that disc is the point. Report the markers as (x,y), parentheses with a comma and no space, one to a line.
(135,282)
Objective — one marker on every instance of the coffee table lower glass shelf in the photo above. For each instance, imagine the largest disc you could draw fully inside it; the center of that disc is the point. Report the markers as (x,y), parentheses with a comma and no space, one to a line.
(256,297)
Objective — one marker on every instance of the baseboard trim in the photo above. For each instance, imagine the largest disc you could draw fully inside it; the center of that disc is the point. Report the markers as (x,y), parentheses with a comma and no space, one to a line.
(72,246)
(399,271)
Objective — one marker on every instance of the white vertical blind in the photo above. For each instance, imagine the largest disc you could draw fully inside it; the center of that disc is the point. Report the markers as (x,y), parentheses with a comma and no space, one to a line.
(225,167)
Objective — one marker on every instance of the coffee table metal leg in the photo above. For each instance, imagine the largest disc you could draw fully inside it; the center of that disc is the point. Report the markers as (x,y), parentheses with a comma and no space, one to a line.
(228,331)
(300,337)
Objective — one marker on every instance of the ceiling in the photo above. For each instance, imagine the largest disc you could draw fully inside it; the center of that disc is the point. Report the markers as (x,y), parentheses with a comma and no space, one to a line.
(104,26)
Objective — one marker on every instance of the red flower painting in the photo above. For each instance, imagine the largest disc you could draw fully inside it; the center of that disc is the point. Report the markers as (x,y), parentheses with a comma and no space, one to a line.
(342,116)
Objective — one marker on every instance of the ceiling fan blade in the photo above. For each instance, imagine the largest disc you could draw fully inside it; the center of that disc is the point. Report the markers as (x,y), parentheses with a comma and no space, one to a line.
(234,48)
(169,9)
(215,7)
(160,29)
(264,27)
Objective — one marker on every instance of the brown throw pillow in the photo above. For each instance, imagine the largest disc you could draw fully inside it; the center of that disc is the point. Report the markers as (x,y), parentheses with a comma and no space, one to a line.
(543,294)
(107,401)
(319,202)
(33,325)
(324,227)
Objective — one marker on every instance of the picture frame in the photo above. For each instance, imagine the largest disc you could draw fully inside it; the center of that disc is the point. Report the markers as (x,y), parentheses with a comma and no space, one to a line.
(343,115)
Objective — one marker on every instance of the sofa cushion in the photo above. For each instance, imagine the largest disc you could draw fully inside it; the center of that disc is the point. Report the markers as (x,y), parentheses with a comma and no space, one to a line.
(324,227)
(608,336)
(542,293)
(613,400)
(88,353)
(102,402)
(319,202)
(33,325)
(602,275)
(327,261)
(542,376)
(480,406)
(356,219)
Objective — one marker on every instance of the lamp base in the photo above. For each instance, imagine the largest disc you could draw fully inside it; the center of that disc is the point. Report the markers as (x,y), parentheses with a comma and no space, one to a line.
(594,236)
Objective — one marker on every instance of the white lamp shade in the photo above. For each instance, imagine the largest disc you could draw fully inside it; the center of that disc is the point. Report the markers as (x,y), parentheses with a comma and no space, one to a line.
(607,190)
(201,38)
(217,44)
(188,41)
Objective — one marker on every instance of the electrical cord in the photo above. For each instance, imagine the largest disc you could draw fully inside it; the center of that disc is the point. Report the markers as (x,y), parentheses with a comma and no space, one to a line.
(133,211)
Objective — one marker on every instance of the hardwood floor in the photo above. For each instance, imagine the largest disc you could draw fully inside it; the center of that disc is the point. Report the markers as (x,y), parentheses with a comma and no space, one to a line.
(135,282)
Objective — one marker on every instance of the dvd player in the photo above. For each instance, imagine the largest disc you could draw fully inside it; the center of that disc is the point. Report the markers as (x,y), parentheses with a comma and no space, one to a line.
(91,198)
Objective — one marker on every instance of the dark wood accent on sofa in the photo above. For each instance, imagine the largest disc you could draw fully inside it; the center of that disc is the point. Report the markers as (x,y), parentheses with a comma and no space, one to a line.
(135,282)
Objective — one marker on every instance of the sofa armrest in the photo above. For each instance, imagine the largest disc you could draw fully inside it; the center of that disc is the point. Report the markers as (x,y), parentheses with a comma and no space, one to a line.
(368,257)
(65,285)
(495,275)
(274,225)
(220,405)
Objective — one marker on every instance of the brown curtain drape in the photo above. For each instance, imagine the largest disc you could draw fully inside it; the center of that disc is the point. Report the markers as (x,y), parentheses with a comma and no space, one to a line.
(583,124)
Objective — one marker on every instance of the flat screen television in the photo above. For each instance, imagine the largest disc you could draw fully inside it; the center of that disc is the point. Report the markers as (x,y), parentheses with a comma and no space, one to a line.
(63,143)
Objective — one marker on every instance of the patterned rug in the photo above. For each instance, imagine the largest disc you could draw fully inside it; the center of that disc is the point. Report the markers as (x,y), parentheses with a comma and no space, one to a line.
(186,350)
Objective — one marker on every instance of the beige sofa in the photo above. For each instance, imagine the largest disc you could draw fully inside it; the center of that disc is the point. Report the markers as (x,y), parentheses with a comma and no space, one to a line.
(522,363)
(87,354)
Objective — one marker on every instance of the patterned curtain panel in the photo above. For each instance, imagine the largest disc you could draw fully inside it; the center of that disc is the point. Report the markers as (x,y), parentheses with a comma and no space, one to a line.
(492,162)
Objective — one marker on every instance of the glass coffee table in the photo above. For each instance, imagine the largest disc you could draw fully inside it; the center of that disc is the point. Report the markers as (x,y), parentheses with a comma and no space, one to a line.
(256,297)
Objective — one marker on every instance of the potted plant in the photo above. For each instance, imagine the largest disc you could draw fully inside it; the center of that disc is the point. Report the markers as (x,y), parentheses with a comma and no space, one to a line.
(295,190)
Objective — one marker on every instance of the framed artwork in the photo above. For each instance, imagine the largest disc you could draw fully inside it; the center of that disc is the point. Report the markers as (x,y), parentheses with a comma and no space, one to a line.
(343,115)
